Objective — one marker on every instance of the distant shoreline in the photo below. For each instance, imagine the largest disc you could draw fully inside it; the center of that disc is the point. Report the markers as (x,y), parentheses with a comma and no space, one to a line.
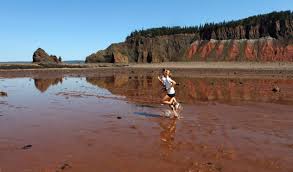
(185,65)
(29,62)
(188,69)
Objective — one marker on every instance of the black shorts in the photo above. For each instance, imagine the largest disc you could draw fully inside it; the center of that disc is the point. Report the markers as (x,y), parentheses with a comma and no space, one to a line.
(171,95)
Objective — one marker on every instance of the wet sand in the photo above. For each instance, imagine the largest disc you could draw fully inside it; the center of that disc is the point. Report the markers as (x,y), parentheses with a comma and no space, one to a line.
(99,121)
(183,69)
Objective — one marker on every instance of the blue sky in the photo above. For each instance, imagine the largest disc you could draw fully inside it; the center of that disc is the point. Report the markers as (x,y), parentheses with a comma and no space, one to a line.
(74,29)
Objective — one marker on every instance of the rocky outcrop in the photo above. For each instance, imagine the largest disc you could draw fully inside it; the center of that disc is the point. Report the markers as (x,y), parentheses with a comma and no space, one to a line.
(40,56)
(145,50)
(3,94)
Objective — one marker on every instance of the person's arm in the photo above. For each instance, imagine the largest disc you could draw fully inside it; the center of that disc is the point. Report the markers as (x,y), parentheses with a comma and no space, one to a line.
(162,83)
(159,78)
(172,82)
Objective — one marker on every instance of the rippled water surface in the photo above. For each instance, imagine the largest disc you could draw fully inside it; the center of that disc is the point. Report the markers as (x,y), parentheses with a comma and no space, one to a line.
(114,123)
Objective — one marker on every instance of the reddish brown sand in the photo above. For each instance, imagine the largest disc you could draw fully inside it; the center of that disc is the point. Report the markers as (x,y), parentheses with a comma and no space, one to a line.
(113,123)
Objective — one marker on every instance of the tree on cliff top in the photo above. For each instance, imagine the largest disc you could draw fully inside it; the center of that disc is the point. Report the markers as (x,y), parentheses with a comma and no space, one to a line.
(276,24)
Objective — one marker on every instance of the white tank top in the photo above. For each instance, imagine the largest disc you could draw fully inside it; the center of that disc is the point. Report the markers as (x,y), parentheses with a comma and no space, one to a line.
(168,84)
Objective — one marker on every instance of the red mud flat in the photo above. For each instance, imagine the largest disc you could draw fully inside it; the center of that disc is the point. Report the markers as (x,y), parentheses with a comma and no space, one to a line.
(113,123)
(186,69)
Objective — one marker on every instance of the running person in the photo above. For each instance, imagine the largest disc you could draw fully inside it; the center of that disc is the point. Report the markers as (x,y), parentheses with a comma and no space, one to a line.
(168,84)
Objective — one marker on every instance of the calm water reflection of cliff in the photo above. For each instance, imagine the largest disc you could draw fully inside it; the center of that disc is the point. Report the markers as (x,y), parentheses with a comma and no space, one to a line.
(147,89)
(191,90)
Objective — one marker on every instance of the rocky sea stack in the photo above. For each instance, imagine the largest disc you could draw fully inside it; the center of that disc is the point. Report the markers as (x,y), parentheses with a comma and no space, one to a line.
(40,56)
(3,94)
(260,38)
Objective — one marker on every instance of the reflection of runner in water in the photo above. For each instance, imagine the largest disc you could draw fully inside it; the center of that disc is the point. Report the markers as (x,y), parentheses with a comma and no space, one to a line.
(167,136)
(169,84)
(168,133)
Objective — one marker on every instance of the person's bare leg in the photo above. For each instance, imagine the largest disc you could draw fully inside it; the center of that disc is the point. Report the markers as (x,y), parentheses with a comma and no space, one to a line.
(165,98)
(176,114)
(167,102)
(170,101)
(174,102)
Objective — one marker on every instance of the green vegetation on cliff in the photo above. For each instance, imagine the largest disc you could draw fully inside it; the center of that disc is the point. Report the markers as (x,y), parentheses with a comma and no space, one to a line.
(260,38)
(278,25)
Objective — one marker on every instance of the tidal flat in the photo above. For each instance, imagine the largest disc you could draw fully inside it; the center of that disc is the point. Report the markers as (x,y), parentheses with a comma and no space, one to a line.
(114,122)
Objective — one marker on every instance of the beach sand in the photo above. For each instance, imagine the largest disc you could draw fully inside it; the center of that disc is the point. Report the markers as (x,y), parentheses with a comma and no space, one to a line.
(186,69)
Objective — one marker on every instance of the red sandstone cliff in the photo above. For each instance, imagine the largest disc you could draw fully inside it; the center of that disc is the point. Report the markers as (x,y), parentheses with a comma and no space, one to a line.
(260,50)
(258,38)
(181,48)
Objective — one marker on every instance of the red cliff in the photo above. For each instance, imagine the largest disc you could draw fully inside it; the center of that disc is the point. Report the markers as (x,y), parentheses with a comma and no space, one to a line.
(259,50)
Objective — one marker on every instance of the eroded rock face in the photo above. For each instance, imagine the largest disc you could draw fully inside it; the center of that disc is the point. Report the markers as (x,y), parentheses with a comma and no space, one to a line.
(275,27)
(234,51)
(249,51)
(40,56)
(119,57)
(183,48)
(219,50)
(259,38)
(206,49)
(260,50)
(145,50)
(193,49)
